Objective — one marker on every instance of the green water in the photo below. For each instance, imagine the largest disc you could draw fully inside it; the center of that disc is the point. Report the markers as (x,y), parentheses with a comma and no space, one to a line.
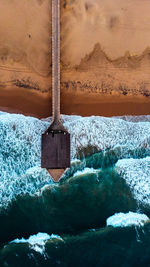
(98,185)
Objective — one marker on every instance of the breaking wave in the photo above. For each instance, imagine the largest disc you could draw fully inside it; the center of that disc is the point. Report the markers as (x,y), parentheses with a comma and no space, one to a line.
(109,174)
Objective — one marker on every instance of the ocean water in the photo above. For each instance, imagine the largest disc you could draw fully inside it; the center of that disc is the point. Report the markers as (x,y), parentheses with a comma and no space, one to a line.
(97,215)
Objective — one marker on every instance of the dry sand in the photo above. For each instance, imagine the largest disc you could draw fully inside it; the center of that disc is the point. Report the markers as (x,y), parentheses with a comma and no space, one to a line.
(105,57)
(118,25)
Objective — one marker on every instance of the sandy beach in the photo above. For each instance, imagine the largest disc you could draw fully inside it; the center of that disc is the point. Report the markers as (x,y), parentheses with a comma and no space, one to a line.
(104,106)
(105,57)
(39,104)
(26,102)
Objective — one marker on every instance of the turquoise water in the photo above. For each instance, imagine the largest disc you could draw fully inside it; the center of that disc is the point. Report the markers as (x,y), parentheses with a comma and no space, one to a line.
(64,224)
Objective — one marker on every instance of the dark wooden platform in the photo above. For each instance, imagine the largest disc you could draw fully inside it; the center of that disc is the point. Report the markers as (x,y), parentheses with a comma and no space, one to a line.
(55,150)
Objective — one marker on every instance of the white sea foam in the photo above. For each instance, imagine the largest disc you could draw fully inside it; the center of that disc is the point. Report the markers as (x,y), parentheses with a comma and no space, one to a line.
(33,180)
(136,172)
(20,139)
(75,161)
(140,118)
(37,242)
(108,133)
(20,150)
(85,171)
(126,219)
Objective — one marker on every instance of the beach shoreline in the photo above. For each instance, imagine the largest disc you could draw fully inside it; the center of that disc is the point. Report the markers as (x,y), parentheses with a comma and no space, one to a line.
(38,104)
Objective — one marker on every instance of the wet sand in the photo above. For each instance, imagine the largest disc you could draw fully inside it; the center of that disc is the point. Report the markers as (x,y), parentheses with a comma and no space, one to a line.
(104,105)
(39,104)
(26,102)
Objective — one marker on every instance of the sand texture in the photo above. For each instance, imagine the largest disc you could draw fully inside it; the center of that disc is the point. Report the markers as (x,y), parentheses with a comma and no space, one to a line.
(105,57)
